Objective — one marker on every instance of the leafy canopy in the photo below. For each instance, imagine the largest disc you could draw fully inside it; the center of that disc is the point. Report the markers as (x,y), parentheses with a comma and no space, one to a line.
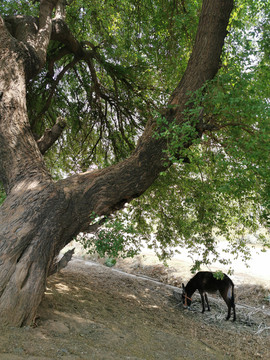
(221,190)
(138,57)
(140,51)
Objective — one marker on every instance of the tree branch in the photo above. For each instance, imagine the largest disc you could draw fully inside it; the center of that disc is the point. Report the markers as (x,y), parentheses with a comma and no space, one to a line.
(52,91)
(51,135)
(61,264)
(56,57)
(91,228)
(43,36)
(17,144)
(205,57)
(60,11)
(35,35)
(62,33)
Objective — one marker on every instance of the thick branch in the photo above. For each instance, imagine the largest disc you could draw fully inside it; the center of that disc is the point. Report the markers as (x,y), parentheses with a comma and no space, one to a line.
(62,33)
(34,36)
(45,28)
(51,135)
(61,264)
(21,60)
(205,58)
(60,11)
(17,144)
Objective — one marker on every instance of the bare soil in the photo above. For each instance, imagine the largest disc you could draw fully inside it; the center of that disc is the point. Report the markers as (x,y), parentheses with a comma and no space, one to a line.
(91,311)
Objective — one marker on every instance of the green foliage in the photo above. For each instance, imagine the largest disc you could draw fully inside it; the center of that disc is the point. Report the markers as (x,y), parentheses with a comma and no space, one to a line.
(114,239)
(199,204)
(134,70)
(110,262)
(179,135)
(221,190)
(10,8)
(219,275)
(196,205)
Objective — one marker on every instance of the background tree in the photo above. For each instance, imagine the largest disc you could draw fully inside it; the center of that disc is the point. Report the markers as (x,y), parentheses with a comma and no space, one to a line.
(80,87)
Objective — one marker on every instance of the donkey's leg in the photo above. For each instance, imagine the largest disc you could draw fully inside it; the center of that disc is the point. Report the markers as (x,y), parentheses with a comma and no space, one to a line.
(234,315)
(233,305)
(228,297)
(229,312)
(202,298)
(206,299)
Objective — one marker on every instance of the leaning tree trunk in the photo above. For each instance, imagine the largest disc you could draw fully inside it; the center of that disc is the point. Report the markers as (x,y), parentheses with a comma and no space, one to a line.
(39,216)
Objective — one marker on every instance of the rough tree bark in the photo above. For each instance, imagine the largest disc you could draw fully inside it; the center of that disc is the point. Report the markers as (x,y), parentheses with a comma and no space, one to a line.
(39,216)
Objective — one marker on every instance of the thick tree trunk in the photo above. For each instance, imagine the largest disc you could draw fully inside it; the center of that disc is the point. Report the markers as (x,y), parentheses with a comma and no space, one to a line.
(34,226)
(39,217)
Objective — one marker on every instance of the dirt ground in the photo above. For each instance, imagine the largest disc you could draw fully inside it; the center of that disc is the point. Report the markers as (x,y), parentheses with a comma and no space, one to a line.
(91,311)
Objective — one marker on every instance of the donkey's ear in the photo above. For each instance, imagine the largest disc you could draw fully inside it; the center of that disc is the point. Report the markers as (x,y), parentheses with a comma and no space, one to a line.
(183,286)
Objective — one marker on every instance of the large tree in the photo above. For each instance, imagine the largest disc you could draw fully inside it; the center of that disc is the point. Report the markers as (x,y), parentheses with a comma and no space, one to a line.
(107,70)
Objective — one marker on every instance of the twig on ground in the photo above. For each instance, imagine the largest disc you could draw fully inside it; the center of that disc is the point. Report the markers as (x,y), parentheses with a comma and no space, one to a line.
(262,327)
